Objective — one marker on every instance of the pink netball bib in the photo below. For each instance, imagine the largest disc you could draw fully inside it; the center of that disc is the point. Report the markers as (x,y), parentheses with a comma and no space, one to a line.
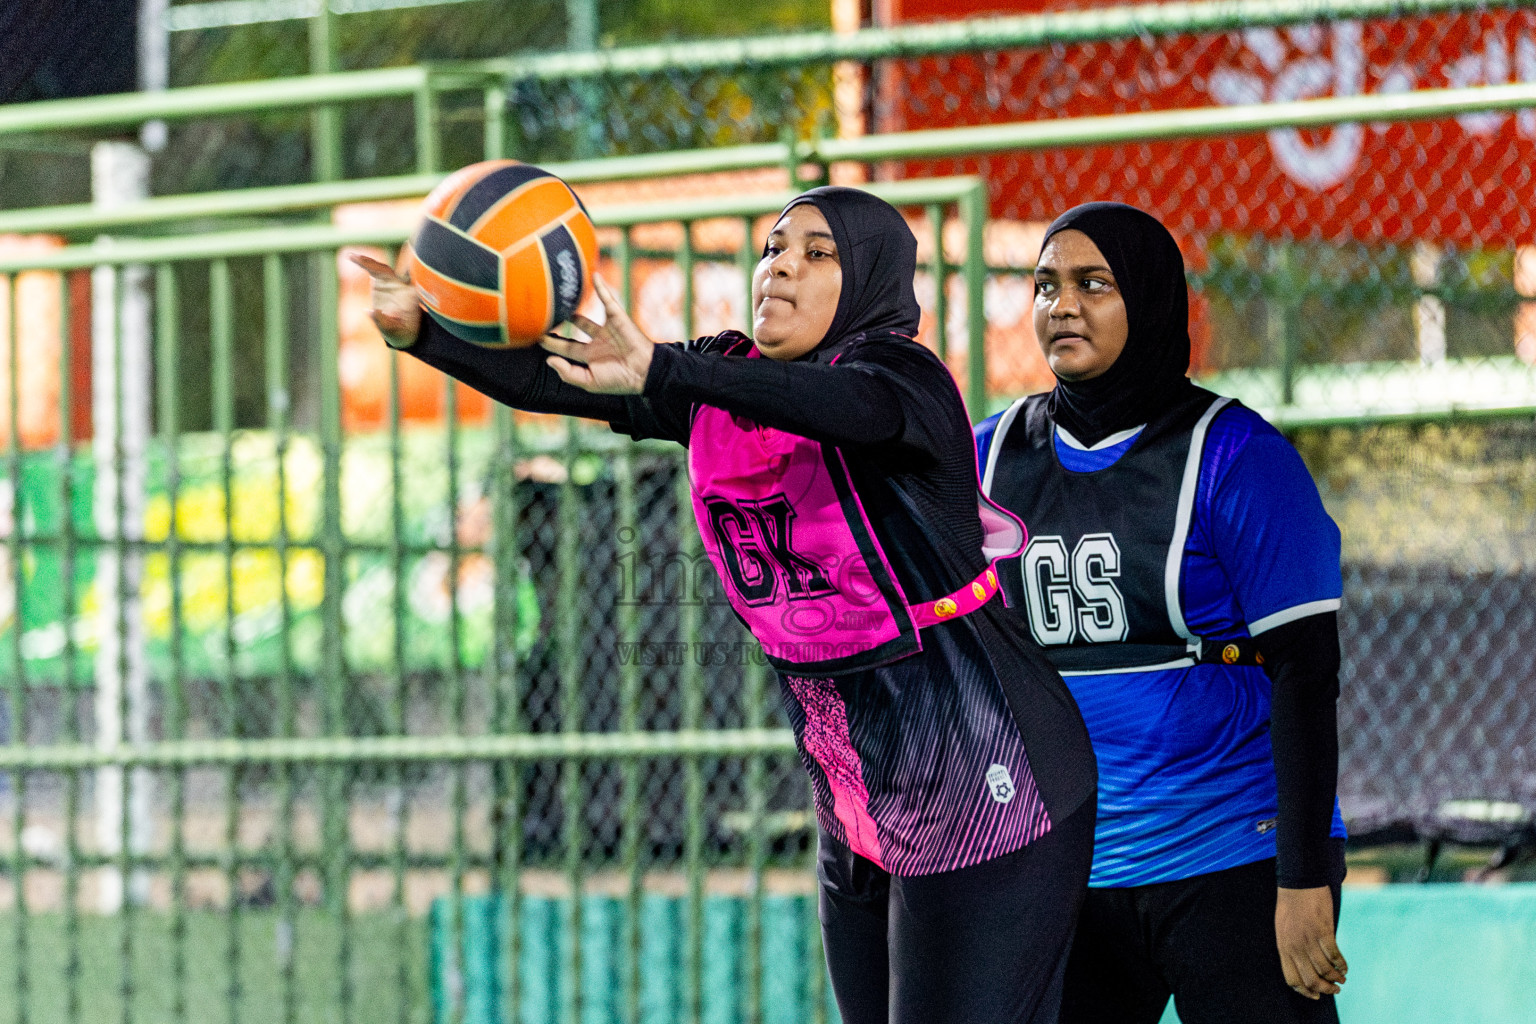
(800,564)
(784,528)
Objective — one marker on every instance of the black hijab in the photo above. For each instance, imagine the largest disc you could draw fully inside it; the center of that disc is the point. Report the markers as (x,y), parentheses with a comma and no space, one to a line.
(878,256)
(1149,377)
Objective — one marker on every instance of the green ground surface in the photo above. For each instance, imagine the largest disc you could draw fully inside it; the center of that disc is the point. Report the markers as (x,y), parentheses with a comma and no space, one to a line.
(243,960)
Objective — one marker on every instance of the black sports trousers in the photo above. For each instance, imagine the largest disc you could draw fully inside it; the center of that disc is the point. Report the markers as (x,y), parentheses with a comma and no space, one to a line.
(985,944)
(1208,941)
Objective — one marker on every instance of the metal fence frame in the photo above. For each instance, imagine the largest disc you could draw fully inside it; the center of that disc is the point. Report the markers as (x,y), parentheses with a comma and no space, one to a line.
(333,755)
(338,753)
(982,140)
(426,85)
(1036,30)
(950,142)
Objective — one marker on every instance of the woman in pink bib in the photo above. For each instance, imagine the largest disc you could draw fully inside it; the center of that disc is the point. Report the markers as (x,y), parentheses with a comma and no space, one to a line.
(834,480)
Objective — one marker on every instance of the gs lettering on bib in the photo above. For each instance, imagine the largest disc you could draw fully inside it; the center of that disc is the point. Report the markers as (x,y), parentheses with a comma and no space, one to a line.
(1099,580)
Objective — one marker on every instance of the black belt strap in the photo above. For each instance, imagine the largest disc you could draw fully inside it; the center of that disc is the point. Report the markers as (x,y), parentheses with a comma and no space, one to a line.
(1130,657)
(1231,652)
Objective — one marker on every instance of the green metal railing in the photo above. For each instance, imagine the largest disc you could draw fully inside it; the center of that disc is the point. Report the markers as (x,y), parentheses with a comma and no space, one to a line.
(1276,396)
(981,140)
(1026,31)
(278,735)
(425,86)
(318,756)
(968,195)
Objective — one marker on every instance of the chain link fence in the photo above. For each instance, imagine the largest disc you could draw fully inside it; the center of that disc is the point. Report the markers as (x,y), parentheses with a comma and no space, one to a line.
(286,705)
(1439,683)
(1353,246)
(1349,273)
(547,118)
(303,578)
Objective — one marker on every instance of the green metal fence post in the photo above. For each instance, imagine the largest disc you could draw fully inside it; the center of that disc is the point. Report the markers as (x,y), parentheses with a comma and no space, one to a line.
(396,715)
(494,105)
(1282,309)
(973,207)
(168,360)
(71,698)
(71,676)
(325,136)
(691,679)
(580,37)
(569,615)
(792,155)
(279,403)
(940,273)
(333,671)
(747,258)
(323,751)
(221,333)
(425,106)
(753,677)
(507,716)
(121,579)
(630,552)
(18,688)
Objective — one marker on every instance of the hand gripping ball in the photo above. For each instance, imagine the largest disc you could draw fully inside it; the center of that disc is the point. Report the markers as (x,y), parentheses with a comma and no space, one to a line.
(504,253)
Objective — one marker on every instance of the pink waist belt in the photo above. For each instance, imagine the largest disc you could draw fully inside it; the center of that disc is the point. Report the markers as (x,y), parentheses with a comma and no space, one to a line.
(967,599)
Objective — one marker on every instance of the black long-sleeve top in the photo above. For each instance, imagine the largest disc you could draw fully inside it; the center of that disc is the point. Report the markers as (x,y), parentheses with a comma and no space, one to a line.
(853,404)
(978,689)
(843,405)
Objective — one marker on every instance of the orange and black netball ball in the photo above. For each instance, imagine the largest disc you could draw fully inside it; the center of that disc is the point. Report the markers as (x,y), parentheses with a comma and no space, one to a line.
(504,253)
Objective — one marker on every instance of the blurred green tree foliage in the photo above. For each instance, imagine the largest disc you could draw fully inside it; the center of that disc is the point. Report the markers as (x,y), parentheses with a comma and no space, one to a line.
(487,28)
(546,121)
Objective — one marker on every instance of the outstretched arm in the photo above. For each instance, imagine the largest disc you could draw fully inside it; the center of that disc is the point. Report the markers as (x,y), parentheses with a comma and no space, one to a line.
(841,405)
(517,377)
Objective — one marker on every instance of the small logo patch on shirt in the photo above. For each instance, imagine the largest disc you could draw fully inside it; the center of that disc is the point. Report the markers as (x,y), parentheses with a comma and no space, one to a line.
(1000,783)
(1267,825)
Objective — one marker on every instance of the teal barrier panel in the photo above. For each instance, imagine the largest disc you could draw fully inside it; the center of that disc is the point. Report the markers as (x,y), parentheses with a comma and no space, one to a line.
(464,975)
(1438,954)
(1419,954)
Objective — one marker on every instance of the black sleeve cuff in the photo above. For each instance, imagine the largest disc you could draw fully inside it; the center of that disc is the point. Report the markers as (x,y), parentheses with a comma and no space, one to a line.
(663,369)
(1331,871)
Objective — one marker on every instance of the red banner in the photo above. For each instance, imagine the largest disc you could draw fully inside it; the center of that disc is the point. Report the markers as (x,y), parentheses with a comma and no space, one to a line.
(1464,181)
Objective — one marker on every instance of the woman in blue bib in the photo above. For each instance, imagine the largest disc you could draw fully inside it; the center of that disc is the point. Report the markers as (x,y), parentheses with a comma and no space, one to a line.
(1184,577)
(834,481)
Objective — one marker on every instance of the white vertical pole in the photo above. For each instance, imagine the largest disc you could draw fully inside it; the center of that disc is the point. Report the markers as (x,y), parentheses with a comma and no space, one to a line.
(1525,313)
(1429,311)
(850,89)
(120,387)
(154,65)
